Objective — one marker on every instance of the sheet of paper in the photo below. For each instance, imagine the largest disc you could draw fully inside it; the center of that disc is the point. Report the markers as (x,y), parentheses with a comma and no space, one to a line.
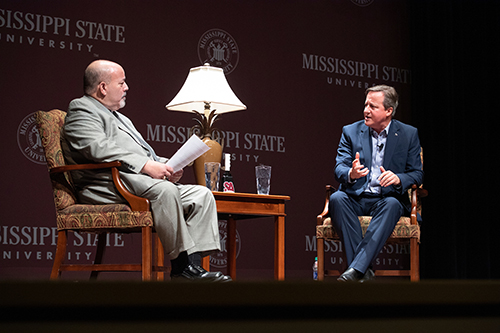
(191,150)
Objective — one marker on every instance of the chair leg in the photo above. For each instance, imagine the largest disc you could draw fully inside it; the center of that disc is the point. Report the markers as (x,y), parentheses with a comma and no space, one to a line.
(99,254)
(320,253)
(147,253)
(414,260)
(62,237)
(160,258)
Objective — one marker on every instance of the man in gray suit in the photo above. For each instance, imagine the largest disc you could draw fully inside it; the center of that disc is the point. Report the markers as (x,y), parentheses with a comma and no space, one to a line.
(185,216)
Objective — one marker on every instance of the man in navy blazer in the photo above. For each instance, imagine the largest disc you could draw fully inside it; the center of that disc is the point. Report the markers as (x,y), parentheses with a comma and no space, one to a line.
(378,160)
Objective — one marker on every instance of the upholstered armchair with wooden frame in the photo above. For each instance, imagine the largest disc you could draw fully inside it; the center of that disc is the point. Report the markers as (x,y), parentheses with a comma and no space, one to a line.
(98,219)
(407,230)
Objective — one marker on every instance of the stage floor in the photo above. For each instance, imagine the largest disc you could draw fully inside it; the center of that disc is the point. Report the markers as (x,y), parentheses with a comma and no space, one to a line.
(109,306)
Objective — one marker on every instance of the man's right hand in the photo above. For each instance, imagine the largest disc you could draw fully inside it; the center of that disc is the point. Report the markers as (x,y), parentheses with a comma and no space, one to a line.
(358,170)
(157,170)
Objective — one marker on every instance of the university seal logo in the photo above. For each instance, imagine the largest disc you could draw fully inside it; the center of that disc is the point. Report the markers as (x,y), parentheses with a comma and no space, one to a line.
(362,3)
(29,140)
(219,49)
(219,260)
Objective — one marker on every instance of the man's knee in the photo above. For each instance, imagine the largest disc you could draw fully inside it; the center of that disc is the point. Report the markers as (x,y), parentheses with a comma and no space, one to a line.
(197,196)
(200,191)
(338,198)
(204,190)
(163,191)
(393,204)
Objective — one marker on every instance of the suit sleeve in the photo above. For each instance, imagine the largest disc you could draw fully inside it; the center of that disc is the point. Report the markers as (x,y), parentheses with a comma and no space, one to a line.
(86,133)
(413,173)
(344,159)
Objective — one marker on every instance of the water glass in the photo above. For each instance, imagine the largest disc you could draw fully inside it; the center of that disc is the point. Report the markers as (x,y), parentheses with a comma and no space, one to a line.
(212,175)
(263,178)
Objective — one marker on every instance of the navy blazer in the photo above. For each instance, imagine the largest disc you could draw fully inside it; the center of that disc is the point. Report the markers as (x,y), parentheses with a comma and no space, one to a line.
(402,156)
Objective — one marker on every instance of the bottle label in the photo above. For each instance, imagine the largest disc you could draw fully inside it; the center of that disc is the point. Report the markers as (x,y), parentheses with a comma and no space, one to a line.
(228,187)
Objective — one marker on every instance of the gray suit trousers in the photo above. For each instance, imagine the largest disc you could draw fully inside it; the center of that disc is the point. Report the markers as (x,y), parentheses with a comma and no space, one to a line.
(185,218)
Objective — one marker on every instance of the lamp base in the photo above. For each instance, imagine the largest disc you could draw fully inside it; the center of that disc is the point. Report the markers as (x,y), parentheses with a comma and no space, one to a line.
(213,155)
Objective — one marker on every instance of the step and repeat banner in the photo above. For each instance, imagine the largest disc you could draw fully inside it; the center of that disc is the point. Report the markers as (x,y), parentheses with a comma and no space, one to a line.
(300,67)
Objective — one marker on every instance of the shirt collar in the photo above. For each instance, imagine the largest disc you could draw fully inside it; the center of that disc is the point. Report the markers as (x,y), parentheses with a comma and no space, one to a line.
(384,133)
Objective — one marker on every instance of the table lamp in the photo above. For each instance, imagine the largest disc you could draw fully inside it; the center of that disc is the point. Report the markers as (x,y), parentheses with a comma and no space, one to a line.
(206,93)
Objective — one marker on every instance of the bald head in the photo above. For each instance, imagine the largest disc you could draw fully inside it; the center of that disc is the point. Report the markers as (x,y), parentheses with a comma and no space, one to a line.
(105,81)
(97,72)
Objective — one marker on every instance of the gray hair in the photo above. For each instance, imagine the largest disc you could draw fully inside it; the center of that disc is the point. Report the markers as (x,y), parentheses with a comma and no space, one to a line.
(390,96)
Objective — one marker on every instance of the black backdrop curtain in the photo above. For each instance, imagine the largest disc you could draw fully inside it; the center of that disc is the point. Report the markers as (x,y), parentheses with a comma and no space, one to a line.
(455,55)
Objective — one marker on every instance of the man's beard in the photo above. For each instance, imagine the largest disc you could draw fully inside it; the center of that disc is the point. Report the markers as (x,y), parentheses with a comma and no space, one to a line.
(122,103)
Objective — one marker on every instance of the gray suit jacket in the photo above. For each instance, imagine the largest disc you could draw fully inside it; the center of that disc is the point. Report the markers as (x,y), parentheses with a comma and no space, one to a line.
(93,134)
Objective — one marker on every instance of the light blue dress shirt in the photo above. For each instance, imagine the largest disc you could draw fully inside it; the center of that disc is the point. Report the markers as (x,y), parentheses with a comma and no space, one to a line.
(379,141)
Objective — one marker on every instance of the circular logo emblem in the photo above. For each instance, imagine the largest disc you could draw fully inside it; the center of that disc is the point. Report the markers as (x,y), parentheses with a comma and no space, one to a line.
(219,260)
(29,140)
(362,3)
(219,49)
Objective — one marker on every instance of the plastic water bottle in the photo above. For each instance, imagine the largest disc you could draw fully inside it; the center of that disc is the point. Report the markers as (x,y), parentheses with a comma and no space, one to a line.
(315,269)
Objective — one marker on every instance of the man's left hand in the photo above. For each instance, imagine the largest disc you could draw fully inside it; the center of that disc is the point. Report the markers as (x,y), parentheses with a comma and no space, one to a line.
(176,176)
(388,178)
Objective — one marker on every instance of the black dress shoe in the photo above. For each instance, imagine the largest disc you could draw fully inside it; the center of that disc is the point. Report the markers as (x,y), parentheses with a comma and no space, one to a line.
(214,275)
(197,273)
(369,276)
(351,275)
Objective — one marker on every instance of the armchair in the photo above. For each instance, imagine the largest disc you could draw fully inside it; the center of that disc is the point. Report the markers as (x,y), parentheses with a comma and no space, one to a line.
(99,219)
(407,230)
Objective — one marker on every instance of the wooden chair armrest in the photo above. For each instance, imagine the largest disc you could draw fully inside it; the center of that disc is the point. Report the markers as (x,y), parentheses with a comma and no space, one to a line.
(422,192)
(329,191)
(413,213)
(136,203)
(89,166)
(415,193)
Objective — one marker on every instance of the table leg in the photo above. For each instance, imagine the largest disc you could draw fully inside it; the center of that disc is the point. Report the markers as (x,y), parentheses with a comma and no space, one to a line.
(205,263)
(231,247)
(279,247)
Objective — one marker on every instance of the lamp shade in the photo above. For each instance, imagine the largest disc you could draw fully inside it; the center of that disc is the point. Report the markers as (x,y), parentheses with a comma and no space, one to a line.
(206,84)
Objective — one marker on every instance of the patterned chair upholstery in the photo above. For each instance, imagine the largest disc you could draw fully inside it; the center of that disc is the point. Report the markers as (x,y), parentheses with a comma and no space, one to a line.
(99,219)
(407,230)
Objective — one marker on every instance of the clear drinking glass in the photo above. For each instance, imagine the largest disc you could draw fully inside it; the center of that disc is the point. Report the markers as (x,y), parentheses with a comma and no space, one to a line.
(263,178)
(212,175)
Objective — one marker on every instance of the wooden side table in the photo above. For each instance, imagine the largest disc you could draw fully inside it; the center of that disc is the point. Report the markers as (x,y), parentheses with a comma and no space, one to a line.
(239,206)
